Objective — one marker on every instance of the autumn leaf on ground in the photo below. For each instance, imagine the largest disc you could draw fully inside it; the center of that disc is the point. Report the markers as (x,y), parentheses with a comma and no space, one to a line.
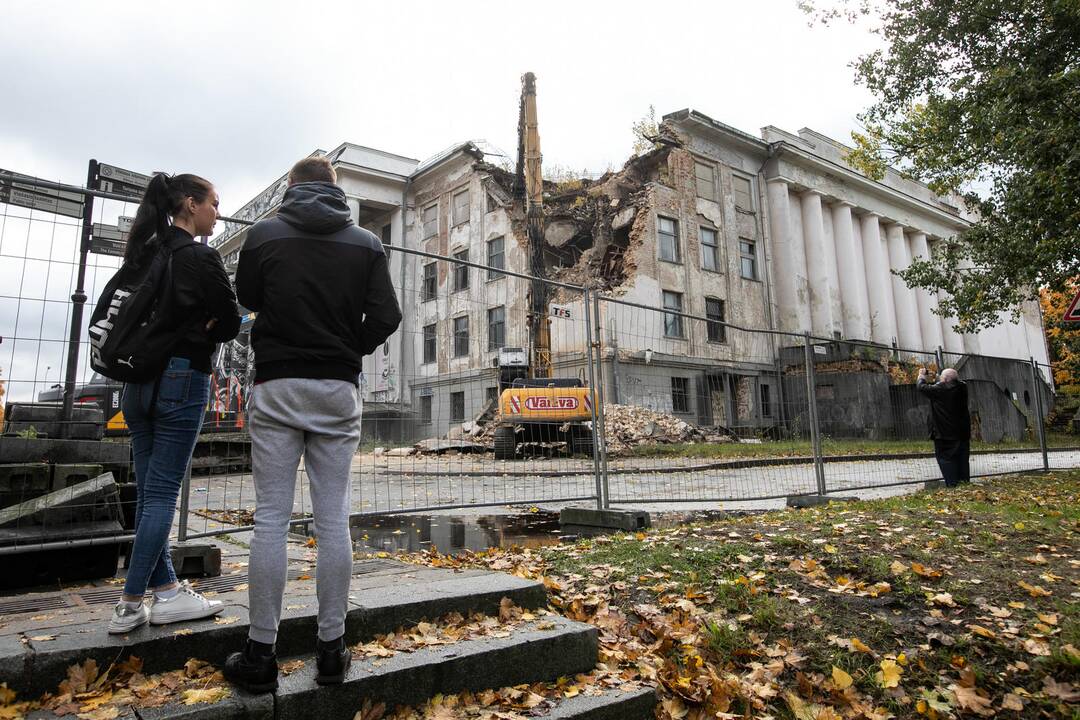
(229,620)
(968,698)
(982,632)
(101,713)
(370,712)
(858,646)
(1012,701)
(291,666)
(1034,590)
(920,569)
(1063,691)
(80,677)
(205,695)
(889,675)
(841,678)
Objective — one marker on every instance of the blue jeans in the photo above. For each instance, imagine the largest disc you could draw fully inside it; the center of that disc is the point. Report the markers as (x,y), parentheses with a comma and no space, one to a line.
(162,440)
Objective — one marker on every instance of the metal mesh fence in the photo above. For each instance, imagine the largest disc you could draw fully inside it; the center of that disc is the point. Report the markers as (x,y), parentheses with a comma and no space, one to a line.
(687,407)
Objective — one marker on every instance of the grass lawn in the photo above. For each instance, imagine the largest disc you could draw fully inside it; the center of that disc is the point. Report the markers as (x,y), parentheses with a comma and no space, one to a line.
(830,446)
(951,604)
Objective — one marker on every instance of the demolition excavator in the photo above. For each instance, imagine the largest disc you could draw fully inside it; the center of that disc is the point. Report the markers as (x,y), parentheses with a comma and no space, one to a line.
(537,410)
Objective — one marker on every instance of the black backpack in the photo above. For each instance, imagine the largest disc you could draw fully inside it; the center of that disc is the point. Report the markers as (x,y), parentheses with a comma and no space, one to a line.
(131,338)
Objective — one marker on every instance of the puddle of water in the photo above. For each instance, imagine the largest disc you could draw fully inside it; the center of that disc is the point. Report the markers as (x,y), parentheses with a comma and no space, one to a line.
(453,534)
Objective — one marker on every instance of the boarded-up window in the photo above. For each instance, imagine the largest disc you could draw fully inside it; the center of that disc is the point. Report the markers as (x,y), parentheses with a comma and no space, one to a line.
(704,177)
(673,324)
(430,219)
(496,318)
(496,257)
(766,401)
(743,190)
(667,233)
(429,283)
(457,406)
(710,249)
(425,408)
(461,336)
(461,271)
(680,394)
(714,311)
(461,207)
(430,352)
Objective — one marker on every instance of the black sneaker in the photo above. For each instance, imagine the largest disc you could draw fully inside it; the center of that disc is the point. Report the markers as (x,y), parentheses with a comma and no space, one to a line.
(254,669)
(332,659)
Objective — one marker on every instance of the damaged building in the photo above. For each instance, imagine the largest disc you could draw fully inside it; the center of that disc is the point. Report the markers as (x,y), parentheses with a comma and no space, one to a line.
(769,233)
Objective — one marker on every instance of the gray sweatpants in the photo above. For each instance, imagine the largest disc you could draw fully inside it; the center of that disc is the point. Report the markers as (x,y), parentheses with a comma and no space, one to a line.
(319,419)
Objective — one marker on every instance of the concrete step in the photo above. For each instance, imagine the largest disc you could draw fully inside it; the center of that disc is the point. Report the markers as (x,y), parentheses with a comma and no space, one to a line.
(614,704)
(35,653)
(528,655)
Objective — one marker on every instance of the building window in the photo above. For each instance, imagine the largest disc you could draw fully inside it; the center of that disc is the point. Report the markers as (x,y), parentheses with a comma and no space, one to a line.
(430,218)
(457,406)
(680,394)
(461,271)
(461,336)
(492,203)
(743,190)
(748,259)
(667,231)
(461,207)
(673,324)
(387,230)
(710,249)
(425,408)
(427,287)
(491,395)
(496,257)
(496,327)
(766,401)
(714,311)
(430,351)
(705,181)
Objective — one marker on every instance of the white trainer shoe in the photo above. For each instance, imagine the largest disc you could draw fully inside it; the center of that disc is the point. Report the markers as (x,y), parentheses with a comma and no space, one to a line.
(186,604)
(125,619)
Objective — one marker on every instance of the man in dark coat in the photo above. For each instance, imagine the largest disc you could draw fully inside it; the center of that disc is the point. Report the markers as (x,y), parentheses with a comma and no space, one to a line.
(950,424)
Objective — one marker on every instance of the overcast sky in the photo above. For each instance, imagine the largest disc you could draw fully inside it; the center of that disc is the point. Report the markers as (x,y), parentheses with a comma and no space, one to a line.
(237,91)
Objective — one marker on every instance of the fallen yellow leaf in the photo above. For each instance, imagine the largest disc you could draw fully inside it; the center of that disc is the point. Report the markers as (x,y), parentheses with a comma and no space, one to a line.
(205,695)
(890,674)
(841,678)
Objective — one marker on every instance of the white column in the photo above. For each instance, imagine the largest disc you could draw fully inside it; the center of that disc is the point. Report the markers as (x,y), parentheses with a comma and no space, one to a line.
(789,262)
(820,256)
(835,304)
(878,282)
(929,322)
(851,274)
(908,333)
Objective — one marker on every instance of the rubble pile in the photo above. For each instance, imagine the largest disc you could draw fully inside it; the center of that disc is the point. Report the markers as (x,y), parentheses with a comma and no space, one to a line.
(626,427)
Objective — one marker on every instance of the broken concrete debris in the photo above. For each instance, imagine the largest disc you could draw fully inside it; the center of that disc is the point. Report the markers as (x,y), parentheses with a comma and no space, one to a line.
(626,427)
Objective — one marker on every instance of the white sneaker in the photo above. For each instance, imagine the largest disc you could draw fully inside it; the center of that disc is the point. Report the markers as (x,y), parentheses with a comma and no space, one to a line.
(186,604)
(125,619)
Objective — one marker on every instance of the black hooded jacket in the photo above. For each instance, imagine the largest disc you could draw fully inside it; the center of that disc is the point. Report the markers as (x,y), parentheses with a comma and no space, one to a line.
(949,417)
(320,287)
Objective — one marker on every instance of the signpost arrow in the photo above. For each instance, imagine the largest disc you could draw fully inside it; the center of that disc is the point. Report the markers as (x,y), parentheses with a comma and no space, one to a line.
(108,240)
(19,189)
(123,182)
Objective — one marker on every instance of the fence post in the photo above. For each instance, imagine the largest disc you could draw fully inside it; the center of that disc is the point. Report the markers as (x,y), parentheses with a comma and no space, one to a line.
(811,403)
(600,433)
(78,300)
(185,491)
(589,349)
(1040,428)
(940,353)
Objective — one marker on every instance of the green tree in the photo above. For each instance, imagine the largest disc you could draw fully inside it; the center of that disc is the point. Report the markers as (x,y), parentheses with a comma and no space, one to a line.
(646,130)
(981,98)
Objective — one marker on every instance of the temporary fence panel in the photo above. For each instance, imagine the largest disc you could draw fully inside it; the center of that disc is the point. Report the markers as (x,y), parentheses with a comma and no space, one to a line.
(697,409)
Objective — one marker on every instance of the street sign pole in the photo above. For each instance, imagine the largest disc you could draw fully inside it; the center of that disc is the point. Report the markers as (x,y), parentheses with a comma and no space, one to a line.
(78,300)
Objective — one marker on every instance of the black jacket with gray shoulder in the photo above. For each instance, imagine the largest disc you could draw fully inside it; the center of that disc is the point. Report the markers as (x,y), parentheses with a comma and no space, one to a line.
(320,286)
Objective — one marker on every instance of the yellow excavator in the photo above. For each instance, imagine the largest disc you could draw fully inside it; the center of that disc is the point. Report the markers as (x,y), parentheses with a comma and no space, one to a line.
(535,409)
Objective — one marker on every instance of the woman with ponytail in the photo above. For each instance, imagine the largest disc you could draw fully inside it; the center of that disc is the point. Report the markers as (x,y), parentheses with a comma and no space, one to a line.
(165,414)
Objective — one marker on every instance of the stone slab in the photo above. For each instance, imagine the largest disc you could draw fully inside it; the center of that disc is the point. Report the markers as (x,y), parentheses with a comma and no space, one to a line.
(627,520)
(528,655)
(61,507)
(614,704)
(809,501)
(379,602)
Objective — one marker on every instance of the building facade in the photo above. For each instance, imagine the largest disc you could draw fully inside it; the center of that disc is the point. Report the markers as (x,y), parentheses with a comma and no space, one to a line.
(703,245)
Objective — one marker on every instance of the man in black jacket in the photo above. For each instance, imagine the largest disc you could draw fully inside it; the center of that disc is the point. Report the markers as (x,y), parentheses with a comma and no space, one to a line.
(322,293)
(950,424)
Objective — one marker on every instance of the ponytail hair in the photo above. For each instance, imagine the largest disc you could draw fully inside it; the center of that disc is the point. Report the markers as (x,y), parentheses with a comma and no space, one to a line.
(163,199)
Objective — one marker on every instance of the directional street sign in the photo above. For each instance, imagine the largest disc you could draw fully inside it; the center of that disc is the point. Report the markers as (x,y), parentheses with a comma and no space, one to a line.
(120,181)
(1072,314)
(108,240)
(15,190)
(125,223)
